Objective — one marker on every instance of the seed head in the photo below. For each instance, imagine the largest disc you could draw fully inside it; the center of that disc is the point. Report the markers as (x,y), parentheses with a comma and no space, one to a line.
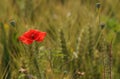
(98,5)
(102,25)
(13,23)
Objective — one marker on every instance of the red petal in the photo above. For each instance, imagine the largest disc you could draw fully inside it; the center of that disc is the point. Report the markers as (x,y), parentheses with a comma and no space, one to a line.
(40,36)
(25,40)
(29,33)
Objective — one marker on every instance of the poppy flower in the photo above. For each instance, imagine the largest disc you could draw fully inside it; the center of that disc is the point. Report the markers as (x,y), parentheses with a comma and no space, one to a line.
(32,35)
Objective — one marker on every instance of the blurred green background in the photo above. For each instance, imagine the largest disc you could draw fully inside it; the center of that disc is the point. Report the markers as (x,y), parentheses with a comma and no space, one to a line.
(83,39)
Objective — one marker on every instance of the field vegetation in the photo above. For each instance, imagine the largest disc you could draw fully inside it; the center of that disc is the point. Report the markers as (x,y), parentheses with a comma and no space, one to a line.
(82,39)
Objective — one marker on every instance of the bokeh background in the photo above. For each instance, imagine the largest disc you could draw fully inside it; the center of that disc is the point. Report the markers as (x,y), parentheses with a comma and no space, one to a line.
(82,42)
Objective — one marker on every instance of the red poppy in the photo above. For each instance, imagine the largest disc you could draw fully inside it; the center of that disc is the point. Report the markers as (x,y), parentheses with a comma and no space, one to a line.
(32,35)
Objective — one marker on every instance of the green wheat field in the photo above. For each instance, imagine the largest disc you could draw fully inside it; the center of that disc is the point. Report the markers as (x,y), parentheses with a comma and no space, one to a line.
(82,39)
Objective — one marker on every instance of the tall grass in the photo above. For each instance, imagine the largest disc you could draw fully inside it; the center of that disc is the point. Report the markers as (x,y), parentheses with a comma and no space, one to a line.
(77,46)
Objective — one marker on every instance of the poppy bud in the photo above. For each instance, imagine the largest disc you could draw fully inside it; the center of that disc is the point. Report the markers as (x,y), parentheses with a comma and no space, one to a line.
(102,25)
(98,5)
(13,23)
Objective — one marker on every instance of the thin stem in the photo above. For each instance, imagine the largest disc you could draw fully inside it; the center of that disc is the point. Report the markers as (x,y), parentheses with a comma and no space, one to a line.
(110,55)
(98,38)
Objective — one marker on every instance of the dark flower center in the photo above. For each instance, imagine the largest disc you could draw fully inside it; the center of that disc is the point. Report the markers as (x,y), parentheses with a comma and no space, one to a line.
(32,37)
